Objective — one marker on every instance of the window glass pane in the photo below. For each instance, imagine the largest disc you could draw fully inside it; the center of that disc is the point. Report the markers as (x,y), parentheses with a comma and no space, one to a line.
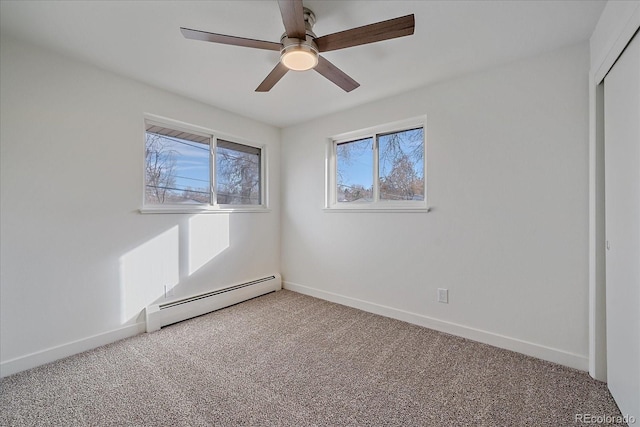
(177,170)
(237,174)
(355,171)
(401,166)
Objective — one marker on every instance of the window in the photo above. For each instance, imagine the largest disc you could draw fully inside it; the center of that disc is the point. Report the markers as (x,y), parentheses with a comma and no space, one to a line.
(355,163)
(382,168)
(237,174)
(189,169)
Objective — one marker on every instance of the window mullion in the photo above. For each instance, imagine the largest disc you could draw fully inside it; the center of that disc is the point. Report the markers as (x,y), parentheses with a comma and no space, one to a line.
(333,174)
(212,169)
(376,158)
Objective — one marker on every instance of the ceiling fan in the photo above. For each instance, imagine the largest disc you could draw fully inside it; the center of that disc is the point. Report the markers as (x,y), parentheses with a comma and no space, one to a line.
(299,47)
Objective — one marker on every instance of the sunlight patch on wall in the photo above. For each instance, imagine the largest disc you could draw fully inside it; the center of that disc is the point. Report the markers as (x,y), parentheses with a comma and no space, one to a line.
(208,237)
(146,270)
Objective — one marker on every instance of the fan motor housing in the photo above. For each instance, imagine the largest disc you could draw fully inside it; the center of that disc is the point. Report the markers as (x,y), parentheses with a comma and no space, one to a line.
(305,50)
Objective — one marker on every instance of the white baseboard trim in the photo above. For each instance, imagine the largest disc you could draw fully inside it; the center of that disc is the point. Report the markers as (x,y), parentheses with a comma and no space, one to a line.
(48,355)
(555,355)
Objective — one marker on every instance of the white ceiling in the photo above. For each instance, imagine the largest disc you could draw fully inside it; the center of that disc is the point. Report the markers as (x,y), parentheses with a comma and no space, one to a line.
(141,40)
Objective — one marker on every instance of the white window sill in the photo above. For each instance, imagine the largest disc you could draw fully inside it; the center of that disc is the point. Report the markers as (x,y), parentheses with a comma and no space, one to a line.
(202,210)
(377,209)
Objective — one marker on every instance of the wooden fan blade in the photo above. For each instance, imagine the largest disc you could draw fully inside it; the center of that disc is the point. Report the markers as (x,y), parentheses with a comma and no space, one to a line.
(385,30)
(274,77)
(336,75)
(292,13)
(232,40)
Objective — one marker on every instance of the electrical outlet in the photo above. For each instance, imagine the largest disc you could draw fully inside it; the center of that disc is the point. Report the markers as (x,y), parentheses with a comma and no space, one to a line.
(443,295)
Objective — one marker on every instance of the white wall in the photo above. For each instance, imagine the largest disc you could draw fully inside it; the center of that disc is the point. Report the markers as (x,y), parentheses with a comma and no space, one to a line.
(507,172)
(508,236)
(78,262)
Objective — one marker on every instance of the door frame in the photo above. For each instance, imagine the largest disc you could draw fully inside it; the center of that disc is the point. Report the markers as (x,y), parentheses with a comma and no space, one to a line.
(617,25)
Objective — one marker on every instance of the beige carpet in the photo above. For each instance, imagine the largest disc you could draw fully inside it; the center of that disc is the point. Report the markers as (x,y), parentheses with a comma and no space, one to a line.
(292,360)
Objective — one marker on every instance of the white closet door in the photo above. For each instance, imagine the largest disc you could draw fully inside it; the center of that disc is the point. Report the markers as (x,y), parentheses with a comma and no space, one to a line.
(622,203)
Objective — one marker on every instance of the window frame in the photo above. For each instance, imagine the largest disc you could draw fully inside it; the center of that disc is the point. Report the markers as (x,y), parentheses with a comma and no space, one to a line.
(331,170)
(214,136)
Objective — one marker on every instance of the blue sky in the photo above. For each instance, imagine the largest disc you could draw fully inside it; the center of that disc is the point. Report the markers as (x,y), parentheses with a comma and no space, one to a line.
(357,169)
(192,163)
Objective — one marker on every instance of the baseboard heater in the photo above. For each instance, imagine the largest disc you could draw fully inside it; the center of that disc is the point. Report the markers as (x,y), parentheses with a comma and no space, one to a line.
(159,315)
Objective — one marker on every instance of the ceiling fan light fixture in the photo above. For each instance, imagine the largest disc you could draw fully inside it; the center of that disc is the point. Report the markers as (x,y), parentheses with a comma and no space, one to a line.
(299,47)
(299,57)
